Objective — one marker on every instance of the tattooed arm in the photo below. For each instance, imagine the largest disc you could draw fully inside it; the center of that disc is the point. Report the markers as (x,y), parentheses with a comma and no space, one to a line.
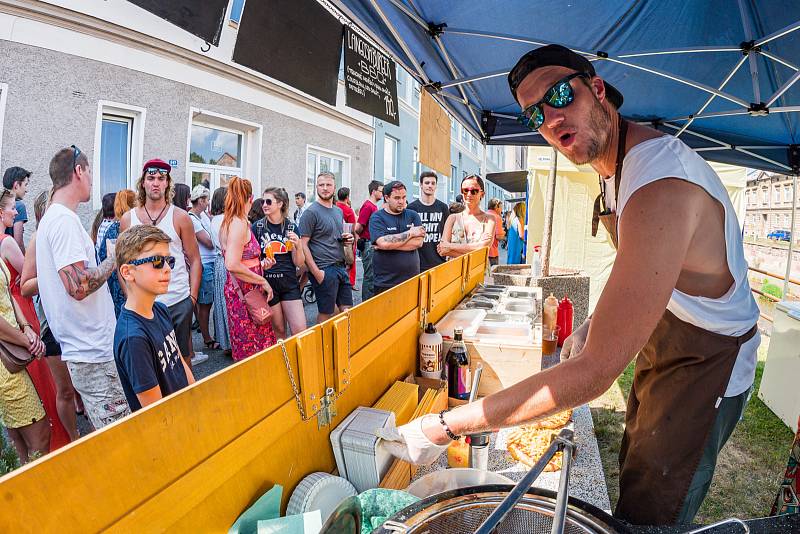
(80,280)
(409,240)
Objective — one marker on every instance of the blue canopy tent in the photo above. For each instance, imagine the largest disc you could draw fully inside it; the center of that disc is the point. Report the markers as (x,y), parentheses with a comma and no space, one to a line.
(720,74)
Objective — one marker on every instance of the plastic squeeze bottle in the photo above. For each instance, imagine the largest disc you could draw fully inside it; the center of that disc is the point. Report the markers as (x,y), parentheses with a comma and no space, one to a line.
(430,353)
(550,312)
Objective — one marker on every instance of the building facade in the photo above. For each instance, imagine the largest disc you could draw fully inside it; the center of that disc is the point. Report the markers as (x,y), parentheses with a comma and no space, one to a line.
(768,198)
(125,86)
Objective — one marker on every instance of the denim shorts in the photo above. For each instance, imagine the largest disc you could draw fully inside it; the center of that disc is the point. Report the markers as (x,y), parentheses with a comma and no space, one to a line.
(335,289)
(206,293)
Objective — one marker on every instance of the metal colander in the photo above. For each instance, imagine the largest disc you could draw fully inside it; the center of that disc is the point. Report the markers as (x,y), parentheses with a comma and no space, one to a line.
(464,510)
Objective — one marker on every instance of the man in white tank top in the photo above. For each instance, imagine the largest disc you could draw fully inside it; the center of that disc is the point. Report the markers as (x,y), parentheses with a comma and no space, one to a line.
(154,198)
(677,296)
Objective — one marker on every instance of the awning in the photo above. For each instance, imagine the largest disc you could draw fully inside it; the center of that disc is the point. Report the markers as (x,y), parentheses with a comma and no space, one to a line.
(511,181)
(721,74)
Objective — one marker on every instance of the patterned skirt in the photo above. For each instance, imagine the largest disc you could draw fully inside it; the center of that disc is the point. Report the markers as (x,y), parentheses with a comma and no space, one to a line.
(247,338)
(220,308)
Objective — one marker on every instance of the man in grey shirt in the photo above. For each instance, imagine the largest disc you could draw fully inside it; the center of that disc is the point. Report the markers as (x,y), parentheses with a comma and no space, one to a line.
(322,237)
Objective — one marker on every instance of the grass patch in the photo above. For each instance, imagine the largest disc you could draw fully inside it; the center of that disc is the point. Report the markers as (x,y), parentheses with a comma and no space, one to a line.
(750,466)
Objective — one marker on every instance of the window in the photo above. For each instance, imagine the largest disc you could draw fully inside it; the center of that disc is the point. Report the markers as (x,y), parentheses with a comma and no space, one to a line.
(776,194)
(389,158)
(236,11)
(115,153)
(407,88)
(453,174)
(417,171)
(786,221)
(764,196)
(473,144)
(221,147)
(787,193)
(118,142)
(320,160)
(464,136)
(453,129)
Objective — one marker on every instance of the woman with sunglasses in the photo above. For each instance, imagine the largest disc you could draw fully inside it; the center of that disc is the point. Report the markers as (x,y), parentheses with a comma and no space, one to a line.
(276,234)
(243,261)
(473,228)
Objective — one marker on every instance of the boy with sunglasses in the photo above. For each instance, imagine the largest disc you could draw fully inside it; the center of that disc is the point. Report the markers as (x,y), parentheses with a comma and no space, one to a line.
(145,346)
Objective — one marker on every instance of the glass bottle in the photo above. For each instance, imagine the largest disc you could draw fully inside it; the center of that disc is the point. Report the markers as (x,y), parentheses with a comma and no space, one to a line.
(459,377)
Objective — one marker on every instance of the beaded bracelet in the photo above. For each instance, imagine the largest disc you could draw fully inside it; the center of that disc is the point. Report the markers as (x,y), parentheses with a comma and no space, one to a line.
(447,428)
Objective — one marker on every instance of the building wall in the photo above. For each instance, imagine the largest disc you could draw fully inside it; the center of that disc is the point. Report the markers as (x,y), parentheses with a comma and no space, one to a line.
(53,102)
(768,199)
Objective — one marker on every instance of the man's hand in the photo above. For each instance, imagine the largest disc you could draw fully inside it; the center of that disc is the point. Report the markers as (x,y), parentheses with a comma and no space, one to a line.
(417,231)
(319,276)
(574,343)
(410,443)
(347,237)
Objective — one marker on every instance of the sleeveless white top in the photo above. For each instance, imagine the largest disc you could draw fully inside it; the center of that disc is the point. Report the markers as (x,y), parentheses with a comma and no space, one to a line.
(179,281)
(734,313)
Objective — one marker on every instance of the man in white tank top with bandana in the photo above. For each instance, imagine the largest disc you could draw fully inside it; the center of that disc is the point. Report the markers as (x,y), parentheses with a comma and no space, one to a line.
(154,206)
(678,296)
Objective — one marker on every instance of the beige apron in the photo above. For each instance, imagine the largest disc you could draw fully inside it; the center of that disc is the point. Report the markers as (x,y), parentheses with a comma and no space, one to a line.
(680,375)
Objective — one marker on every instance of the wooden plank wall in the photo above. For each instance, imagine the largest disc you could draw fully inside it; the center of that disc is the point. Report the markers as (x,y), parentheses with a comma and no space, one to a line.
(196,460)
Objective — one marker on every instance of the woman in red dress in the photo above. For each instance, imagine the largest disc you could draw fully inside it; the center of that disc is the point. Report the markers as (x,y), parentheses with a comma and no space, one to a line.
(38,370)
(242,260)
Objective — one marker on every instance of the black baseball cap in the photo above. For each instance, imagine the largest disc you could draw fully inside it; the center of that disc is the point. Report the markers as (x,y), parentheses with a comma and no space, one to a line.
(391,186)
(554,54)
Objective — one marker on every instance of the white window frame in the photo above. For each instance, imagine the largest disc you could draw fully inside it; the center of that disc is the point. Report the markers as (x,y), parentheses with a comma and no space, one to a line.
(395,157)
(252,135)
(417,168)
(318,151)
(137,115)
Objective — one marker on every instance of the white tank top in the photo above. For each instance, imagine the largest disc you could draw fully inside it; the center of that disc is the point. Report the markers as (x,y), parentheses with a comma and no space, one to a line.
(735,312)
(179,281)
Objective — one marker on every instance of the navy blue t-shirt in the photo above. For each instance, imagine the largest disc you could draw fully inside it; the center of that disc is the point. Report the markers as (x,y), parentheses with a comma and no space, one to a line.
(392,267)
(147,355)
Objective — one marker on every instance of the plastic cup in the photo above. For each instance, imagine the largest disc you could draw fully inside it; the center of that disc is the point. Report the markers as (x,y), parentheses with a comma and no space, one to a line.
(549,340)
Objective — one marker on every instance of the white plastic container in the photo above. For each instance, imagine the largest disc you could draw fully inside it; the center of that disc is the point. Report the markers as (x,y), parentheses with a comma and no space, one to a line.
(430,353)
(360,455)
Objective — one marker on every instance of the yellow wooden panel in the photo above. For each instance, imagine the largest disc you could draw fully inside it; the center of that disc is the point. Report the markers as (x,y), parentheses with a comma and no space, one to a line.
(444,274)
(195,460)
(310,373)
(445,300)
(123,464)
(341,352)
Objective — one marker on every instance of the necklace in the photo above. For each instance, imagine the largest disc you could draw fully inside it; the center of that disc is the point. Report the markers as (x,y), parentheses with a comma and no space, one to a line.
(152,220)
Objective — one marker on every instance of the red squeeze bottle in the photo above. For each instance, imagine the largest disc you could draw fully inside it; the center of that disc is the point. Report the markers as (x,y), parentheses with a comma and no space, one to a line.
(564,319)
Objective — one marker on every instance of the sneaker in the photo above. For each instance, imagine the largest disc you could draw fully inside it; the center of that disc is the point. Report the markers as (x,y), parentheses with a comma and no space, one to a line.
(199,357)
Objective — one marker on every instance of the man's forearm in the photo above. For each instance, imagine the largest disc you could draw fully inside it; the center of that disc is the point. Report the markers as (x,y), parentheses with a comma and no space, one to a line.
(393,241)
(412,244)
(310,263)
(80,282)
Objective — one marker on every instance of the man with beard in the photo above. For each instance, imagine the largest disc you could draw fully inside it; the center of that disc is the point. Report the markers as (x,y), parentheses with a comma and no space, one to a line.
(322,236)
(678,296)
(154,196)
(396,234)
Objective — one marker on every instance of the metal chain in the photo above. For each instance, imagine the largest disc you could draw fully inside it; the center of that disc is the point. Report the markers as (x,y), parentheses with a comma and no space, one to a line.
(291,379)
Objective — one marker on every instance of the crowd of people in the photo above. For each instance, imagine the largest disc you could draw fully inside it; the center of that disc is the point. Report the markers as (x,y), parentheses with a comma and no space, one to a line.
(106,316)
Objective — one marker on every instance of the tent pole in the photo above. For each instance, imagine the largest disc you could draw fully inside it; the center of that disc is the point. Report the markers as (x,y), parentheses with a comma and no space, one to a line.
(547,238)
(791,240)
(483,161)
(711,98)
(751,56)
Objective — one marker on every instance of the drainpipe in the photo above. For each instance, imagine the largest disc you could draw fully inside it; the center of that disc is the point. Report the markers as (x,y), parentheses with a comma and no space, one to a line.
(548,214)
(791,239)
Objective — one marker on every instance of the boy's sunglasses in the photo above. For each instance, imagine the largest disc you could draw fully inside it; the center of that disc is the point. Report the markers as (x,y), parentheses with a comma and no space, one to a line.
(560,95)
(152,171)
(157,261)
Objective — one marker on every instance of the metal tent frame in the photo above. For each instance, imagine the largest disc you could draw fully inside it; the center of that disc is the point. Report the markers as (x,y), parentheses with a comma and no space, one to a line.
(457,91)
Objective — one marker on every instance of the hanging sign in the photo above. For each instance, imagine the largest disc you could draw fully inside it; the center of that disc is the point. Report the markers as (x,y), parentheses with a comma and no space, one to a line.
(370,77)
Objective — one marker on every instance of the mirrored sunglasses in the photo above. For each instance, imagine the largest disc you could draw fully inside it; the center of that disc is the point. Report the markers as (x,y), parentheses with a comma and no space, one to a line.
(560,95)
(152,171)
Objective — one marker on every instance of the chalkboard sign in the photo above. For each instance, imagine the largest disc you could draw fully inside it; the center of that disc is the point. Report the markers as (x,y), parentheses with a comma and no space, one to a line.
(370,77)
(203,19)
(295,41)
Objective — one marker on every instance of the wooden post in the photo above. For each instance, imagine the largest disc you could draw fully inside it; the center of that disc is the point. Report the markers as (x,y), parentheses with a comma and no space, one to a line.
(791,240)
(548,214)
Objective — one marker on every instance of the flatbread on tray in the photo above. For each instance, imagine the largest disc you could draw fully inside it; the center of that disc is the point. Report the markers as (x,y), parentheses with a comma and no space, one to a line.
(528,443)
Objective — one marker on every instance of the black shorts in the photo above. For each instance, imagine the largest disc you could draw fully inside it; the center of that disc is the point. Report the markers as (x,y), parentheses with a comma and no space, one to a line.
(335,289)
(51,346)
(181,315)
(284,287)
